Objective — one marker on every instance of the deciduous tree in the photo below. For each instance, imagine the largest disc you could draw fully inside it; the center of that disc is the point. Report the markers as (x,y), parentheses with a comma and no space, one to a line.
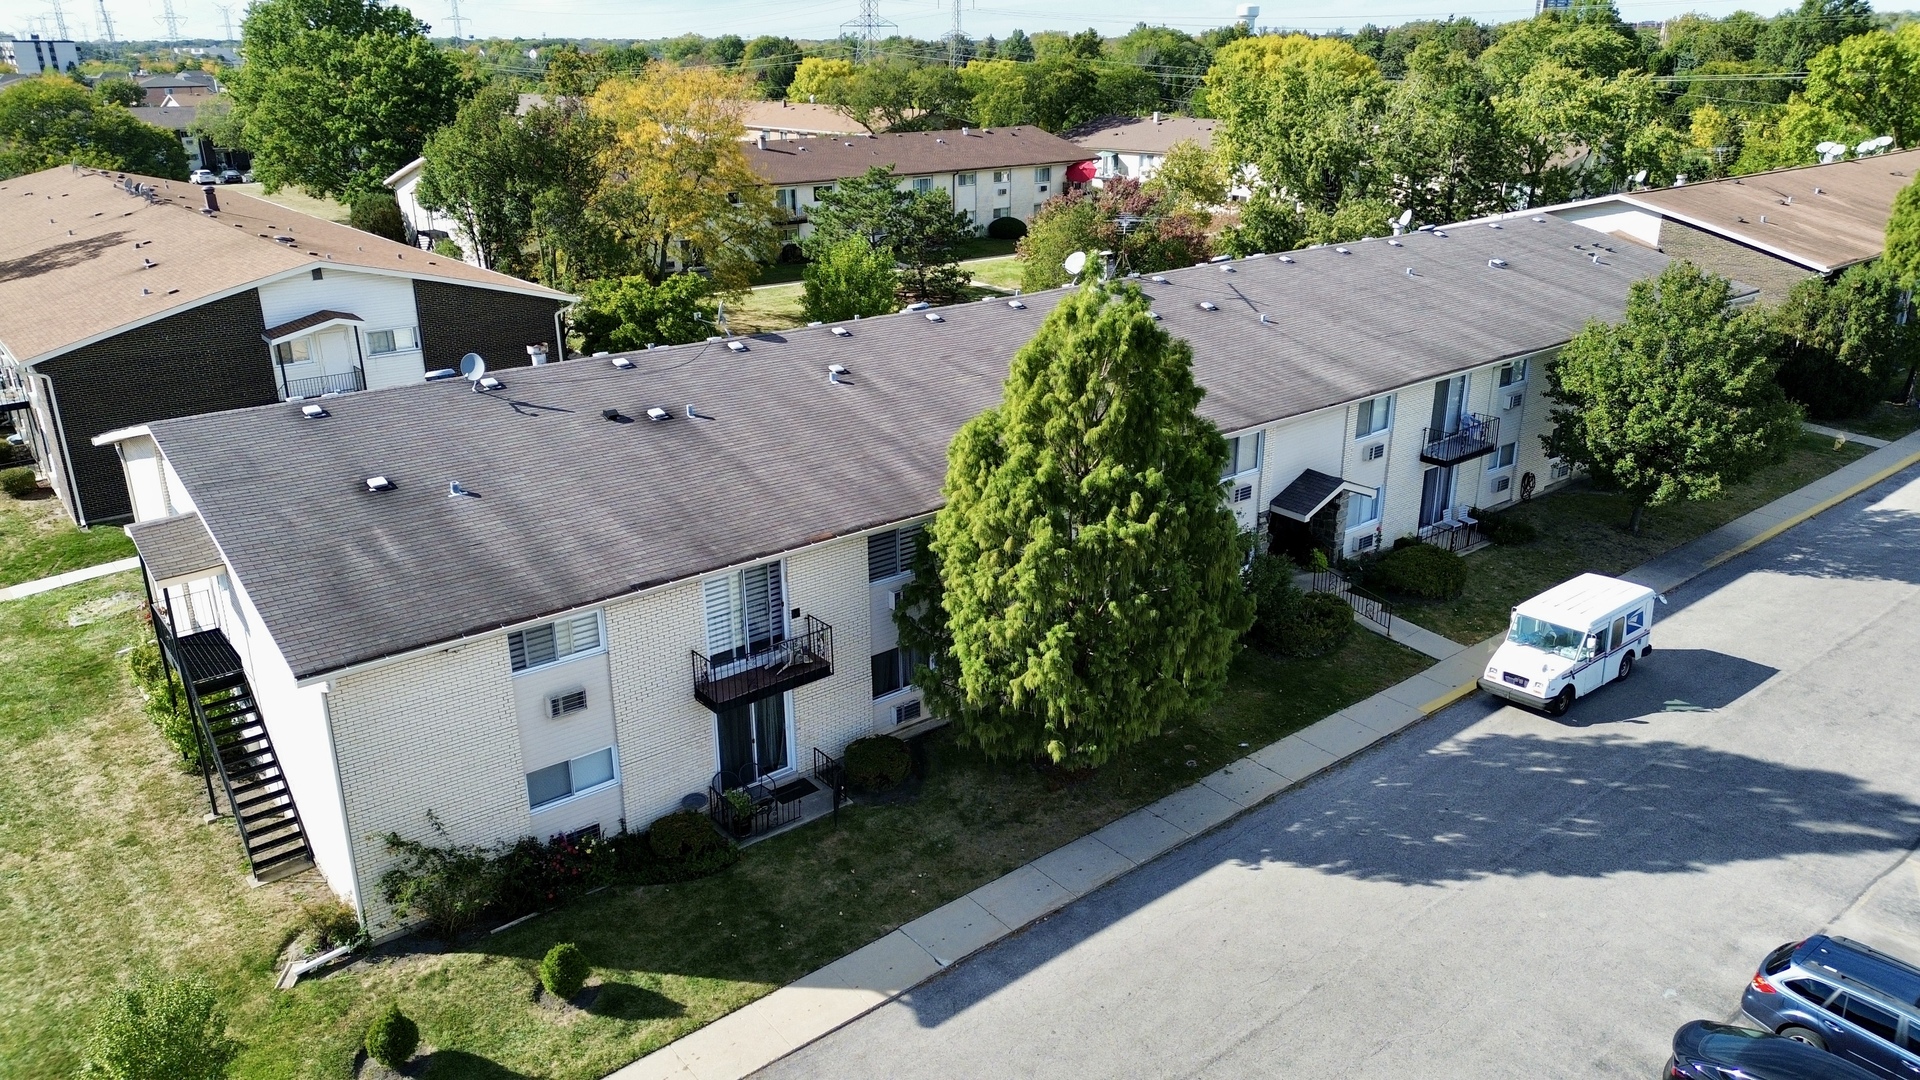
(1089,590)
(1872,80)
(1145,232)
(921,231)
(52,120)
(850,279)
(1843,347)
(1301,111)
(1676,401)
(623,314)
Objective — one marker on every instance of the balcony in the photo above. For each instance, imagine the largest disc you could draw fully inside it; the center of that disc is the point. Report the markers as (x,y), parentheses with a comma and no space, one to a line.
(766,669)
(1473,436)
(339,382)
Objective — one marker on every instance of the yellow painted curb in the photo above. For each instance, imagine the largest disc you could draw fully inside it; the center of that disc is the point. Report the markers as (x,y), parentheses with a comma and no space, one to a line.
(1449,698)
(1820,507)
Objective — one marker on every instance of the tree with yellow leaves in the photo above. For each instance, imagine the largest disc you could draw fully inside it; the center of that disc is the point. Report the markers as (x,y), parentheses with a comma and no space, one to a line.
(678,187)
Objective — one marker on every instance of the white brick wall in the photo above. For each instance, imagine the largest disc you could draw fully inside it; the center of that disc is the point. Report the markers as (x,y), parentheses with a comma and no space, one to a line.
(667,742)
(829,582)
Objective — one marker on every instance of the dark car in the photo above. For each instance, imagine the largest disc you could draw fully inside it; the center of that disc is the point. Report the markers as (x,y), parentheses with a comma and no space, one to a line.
(1849,999)
(230,176)
(1704,1050)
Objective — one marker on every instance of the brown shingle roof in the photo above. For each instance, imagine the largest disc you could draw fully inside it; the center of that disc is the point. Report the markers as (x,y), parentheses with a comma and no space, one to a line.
(175,547)
(1143,134)
(324,315)
(68,234)
(1844,224)
(796,116)
(815,161)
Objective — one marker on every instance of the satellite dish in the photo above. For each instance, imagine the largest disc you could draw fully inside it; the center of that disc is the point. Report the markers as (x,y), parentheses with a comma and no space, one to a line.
(1883,142)
(1640,177)
(1831,147)
(1076,262)
(473,366)
(1406,218)
(1865,147)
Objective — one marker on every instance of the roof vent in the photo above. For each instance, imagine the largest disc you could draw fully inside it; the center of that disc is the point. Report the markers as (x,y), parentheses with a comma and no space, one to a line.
(622,363)
(380,483)
(1344,250)
(1495,225)
(1264,319)
(841,331)
(455,491)
(737,346)
(836,372)
(919,305)
(1154,315)
(1208,305)
(1228,270)
(489,383)
(711,338)
(313,412)
(284,239)
(1395,243)
(1497,264)
(1410,272)
(600,354)
(1286,258)
(1539,221)
(657,414)
(1017,305)
(1158,279)
(616,416)
(1440,234)
(438,374)
(934,316)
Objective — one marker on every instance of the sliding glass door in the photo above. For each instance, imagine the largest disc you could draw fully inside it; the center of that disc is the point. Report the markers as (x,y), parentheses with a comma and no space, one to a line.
(753,740)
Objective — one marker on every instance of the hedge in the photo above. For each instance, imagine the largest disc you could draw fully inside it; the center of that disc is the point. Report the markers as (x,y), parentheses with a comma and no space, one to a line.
(878,762)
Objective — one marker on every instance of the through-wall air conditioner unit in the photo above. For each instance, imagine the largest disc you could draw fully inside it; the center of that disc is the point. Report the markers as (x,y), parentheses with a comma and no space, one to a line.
(1514,400)
(1375,452)
(1562,471)
(570,702)
(1042,189)
(1365,543)
(1000,191)
(1502,483)
(1242,493)
(907,713)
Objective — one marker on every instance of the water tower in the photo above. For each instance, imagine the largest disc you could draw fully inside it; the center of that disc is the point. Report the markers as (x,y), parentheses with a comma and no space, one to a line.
(1245,14)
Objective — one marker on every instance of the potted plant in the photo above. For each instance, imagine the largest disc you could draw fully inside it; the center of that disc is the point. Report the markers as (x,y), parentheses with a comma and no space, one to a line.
(740,811)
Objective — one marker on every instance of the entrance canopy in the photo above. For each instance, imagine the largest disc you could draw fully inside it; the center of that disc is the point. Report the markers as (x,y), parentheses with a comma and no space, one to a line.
(1310,492)
(307,324)
(176,548)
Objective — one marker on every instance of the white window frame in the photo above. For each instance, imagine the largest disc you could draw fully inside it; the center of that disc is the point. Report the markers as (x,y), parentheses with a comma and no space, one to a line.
(903,568)
(293,351)
(1234,443)
(1371,523)
(1508,377)
(922,184)
(573,622)
(1001,176)
(1043,174)
(1379,427)
(1002,211)
(613,752)
(787,199)
(1498,465)
(413,340)
(820,191)
(966,179)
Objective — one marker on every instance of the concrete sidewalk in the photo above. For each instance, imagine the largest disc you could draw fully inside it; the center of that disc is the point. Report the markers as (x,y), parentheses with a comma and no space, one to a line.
(755,1036)
(71,577)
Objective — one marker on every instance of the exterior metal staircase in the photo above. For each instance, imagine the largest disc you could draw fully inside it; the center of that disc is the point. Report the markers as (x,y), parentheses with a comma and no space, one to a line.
(236,745)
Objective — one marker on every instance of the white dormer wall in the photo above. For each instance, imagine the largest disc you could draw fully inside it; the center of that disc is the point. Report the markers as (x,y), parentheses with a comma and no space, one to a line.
(383,302)
(421,219)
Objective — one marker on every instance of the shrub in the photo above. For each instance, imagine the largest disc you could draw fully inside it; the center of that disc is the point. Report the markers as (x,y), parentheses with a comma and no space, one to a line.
(19,483)
(564,970)
(1505,529)
(160,1029)
(1319,623)
(878,762)
(448,248)
(1006,228)
(850,279)
(167,710)
(449,887)
(378,213)
(392,1037)
(325,925)
(534,876)
(683,835)
(1420,570)
(1269,581)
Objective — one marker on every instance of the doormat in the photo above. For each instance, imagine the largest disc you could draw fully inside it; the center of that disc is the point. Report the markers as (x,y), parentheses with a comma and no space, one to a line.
(794,791)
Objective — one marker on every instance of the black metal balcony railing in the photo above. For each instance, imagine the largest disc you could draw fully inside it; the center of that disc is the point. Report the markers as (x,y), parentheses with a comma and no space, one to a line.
(766,669)
(1473,436)
(340,382)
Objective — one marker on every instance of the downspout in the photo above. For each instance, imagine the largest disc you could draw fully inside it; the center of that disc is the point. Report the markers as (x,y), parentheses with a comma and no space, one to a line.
(66,451)
(340,799)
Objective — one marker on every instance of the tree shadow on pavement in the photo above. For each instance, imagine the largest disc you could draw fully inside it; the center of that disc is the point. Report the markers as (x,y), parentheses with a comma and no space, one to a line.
(1671,680)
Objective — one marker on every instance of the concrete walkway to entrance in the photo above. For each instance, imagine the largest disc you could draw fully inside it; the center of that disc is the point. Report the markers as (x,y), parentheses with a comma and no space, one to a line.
(71,577)
(742,1042)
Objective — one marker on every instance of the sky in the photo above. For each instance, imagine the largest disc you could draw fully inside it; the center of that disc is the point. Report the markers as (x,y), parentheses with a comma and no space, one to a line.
(823,18)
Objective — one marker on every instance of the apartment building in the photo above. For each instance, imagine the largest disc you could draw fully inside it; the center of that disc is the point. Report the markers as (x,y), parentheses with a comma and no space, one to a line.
(131,299)
(988,172)
(1132,147)
(600,590)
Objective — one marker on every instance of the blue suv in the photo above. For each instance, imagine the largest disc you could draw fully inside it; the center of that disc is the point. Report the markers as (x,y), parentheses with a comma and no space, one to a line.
(1842,997)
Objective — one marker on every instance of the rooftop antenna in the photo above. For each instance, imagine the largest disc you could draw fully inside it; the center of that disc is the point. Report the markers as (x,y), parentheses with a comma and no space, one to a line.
(867,29)
(474,367)
(1075,263)
(1400,223)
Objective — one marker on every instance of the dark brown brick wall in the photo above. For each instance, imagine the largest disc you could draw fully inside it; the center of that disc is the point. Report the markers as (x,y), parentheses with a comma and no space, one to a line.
(202,360)
(458,319)
(1774,277)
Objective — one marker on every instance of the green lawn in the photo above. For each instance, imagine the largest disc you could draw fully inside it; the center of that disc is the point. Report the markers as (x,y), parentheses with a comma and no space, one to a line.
(1002,274)
(777,307)
(1585,530)
(1884,422)
(104,866)
(41,541)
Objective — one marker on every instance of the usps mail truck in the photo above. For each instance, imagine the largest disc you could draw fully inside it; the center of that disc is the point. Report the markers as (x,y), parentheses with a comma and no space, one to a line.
(1570,641)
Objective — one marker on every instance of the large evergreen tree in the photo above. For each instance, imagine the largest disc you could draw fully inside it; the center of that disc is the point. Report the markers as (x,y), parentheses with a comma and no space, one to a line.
(1676,401)
(1087,591)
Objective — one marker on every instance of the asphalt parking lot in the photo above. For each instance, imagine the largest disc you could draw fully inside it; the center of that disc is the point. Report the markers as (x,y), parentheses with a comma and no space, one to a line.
(1494,893)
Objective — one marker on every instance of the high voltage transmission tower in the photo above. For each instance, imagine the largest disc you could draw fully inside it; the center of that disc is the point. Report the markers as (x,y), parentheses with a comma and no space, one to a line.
(458,22)
(867,28)
(226,20)
(59,19)
(170,20)
(956,39)
(106,22)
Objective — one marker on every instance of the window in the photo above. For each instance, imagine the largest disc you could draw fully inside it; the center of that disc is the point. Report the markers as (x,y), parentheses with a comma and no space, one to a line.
(1243,453)
(569,778)
(787,199)
(821,192)
(1515,372)
(744,612)
(1374,417)
(966,179)
(1362,509)
(297,351)
(572,701)
(1043,174)
(1867,1016)
(1816,992)
(538,646)
(892,552)
(1002,211)
(1000,175)
(1504,457)
(395,340)
(893,671)
(922,184)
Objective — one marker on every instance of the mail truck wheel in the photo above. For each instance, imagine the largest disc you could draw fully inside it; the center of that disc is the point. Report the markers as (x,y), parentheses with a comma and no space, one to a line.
(1561,703)
(1626,667)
